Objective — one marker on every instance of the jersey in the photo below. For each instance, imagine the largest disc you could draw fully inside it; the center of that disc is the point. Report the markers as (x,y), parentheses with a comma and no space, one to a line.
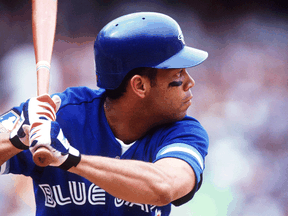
(83,121)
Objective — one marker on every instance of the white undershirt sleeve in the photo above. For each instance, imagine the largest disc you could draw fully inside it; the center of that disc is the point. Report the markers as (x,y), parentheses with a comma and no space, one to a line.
(4,169)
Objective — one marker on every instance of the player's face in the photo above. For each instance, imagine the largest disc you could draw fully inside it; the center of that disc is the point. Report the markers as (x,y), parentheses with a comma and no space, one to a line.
(171,97)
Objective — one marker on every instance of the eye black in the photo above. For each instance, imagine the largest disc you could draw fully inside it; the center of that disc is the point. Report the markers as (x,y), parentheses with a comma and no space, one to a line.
(175,83)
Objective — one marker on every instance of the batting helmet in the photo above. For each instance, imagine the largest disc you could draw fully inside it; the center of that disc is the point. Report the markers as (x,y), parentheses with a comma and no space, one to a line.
(144,39)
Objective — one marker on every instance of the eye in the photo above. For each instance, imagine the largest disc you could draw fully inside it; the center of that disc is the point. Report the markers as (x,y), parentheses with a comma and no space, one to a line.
(179,78)
(175,83)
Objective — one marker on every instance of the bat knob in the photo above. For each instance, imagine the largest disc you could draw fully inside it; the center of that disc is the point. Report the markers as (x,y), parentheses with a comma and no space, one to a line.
(42,157)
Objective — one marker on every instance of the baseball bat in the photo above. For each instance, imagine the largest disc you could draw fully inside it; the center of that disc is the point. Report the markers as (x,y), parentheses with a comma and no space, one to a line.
(44,16)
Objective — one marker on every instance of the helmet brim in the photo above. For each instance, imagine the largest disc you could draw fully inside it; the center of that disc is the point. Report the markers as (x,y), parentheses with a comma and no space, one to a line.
(187,57)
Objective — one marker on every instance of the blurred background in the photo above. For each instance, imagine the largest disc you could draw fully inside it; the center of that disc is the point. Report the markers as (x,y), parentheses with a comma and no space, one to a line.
(240,95)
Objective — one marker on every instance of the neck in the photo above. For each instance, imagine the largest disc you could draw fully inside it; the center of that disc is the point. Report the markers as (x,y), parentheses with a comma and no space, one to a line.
(127,119)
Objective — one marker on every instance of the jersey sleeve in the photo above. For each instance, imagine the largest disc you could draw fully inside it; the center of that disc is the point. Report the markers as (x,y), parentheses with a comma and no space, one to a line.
(186,140)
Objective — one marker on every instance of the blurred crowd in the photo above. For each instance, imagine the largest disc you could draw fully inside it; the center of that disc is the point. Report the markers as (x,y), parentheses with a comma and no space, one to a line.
(239,97)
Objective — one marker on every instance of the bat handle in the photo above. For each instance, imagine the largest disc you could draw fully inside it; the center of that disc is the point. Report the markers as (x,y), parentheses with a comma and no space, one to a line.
(42,157)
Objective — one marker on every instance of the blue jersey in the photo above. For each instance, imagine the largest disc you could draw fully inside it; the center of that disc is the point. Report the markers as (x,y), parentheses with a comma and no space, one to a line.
(83,122)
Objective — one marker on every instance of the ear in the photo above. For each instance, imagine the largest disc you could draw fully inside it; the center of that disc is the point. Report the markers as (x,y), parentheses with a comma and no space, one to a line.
(140,85)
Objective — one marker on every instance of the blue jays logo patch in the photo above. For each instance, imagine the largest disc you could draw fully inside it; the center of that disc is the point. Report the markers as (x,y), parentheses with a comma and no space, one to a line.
(8,121)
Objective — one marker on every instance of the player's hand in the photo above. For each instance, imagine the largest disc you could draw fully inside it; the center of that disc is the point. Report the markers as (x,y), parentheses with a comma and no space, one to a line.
(48,134)
(43,108)
(35,109)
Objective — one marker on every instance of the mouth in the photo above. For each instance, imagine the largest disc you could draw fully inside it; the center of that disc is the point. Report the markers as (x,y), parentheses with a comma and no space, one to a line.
(188,99)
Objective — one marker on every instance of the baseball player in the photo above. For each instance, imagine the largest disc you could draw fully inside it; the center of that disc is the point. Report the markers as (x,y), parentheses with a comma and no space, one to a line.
(126,149)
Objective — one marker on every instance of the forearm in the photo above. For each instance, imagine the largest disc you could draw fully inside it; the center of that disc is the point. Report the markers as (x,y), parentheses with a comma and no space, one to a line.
(7,150)
(130,180)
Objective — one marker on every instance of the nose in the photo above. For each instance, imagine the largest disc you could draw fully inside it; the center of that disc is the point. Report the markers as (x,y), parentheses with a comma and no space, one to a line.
(189,83)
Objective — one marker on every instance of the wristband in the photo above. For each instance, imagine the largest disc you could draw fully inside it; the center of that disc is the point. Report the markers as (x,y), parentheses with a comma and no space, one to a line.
(73,159)
(17,143)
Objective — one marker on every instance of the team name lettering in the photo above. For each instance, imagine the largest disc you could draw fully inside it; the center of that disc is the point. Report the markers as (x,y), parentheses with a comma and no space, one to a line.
(144,207)
(78,195)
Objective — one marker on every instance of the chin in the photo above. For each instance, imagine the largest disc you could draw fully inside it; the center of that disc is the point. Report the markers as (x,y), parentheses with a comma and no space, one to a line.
(181,117)
(178,116)
(171,117)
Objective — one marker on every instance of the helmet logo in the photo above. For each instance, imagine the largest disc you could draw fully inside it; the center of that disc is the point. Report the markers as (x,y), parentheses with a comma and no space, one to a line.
(181,38)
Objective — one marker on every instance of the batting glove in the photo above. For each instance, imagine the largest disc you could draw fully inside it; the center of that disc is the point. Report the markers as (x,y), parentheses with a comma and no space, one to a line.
(43,108)
(35,109)
(48,134)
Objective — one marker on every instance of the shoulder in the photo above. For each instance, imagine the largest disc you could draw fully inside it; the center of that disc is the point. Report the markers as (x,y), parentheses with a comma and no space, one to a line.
(187,122)
(187,127)
(187,132)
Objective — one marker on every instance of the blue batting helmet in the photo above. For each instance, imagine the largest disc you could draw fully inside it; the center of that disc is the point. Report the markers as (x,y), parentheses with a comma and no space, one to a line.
(144,39)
